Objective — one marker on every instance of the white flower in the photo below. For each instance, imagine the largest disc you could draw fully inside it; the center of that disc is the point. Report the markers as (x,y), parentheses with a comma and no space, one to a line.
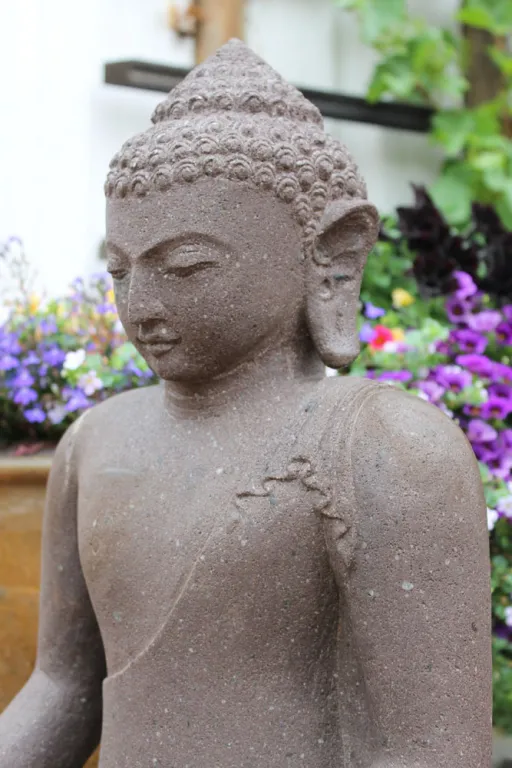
(57,414)
(390,346)
(74,360)
(492,516)
(505,507)
(508,616)
(90,383)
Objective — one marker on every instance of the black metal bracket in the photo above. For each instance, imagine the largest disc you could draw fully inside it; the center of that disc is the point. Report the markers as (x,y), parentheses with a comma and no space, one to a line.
(158,77)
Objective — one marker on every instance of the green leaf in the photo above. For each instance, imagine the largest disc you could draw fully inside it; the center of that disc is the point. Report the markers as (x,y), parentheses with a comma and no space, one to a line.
(488,161)
(453,193)
(476,16)
(378,16)
(452,128)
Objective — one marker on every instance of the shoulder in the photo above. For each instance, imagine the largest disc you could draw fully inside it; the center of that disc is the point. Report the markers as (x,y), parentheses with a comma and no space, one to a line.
(113,416)
(408,455)
(408,428)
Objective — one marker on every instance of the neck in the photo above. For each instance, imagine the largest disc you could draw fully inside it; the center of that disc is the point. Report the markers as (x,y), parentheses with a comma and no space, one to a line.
(268,376)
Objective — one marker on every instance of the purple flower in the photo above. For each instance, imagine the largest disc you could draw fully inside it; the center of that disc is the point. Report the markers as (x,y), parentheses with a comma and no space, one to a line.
(478,364)
(35,415)
(75,400)
(366,333)
(504,333)
(8,362)
(502,372)
(452,377)
(507,312)
(23,379)
(458,309)
(487,452)
(372,312)
(432,390)
(472,410)
(480,432)
(501,390)
(443,348)
(501,466)
(484,322)
(395,376)
(24,396)
(496,408)
(31,358)
(10,344)
(48,326)
(465,285)
(469,341)
(506,438)
(54,357)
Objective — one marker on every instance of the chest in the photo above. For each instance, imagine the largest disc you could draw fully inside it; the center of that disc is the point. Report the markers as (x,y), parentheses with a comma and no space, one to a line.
(239,536)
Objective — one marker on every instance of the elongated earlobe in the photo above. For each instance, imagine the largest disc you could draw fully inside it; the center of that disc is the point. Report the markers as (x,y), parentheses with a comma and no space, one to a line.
(347,233)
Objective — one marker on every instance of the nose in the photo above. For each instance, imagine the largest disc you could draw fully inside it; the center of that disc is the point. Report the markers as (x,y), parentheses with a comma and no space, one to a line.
(144,306)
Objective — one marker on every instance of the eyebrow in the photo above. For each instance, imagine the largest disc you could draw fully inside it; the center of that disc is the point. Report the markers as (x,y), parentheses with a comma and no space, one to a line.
(171,242)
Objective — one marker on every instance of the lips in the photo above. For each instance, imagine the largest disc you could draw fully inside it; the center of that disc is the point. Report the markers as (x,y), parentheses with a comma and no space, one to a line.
(159,347)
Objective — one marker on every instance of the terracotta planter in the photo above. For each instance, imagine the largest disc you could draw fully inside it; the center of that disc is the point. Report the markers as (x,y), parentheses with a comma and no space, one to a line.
(22,492)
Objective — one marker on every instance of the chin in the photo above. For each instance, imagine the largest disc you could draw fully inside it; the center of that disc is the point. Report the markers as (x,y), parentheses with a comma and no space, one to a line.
(183,371)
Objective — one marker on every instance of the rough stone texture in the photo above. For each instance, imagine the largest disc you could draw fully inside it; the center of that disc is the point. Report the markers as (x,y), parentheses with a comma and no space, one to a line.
(252,565)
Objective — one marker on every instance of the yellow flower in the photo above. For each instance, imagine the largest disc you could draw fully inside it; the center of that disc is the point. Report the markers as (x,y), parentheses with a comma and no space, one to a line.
(111,299)
(398,334)
(33,303)
(402,298)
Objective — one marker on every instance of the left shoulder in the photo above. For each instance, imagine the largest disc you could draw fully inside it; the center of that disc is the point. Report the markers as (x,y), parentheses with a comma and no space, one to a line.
(400,442)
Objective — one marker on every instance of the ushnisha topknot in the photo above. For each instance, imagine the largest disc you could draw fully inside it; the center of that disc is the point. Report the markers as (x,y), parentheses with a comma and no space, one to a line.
(235,117)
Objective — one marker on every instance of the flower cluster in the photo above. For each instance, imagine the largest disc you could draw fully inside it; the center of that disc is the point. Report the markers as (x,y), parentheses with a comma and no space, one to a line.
(60,357)
(456,353)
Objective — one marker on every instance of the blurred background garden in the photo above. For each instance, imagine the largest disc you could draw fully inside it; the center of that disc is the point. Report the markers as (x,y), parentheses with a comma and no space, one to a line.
(436,305)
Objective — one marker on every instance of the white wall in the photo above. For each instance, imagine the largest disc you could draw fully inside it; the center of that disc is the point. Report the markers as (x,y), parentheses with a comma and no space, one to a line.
(59,124)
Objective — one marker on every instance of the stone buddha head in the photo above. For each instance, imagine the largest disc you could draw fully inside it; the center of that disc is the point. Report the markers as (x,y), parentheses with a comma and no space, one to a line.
(235,224)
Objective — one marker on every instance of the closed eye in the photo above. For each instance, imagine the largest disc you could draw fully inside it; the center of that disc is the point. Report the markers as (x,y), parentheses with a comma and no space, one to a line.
(118,273)
(185,270)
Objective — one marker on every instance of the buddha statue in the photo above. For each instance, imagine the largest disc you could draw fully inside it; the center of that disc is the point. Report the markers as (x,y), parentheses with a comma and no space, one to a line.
(252,564)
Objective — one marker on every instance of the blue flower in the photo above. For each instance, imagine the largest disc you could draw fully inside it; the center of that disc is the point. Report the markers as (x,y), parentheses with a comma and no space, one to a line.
(8,362)
(54,356)
(372,312)
(31,358)
(35,415)
(25,395)
(23,379)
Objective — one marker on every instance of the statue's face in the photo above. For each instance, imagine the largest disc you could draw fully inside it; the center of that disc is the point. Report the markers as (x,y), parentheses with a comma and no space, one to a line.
(205,275)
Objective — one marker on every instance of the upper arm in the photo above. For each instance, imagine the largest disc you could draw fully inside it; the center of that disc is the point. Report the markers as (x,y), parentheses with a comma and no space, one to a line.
(69,647)
(418,592)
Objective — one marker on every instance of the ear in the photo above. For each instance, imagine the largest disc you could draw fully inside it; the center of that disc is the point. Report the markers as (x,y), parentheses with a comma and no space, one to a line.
(347,232)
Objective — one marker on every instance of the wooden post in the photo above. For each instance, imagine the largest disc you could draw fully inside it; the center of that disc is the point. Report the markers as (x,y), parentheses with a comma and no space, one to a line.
(219,21)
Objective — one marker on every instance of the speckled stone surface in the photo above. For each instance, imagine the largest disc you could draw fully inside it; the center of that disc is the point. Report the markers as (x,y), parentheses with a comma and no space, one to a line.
(250,565)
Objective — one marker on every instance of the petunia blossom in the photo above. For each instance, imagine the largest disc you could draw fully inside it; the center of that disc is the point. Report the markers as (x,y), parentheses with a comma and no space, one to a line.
(452,377)
(479,364)
(479,431)
(496,408)
(469,340)
(466,286)
(484,322)
(504,334)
